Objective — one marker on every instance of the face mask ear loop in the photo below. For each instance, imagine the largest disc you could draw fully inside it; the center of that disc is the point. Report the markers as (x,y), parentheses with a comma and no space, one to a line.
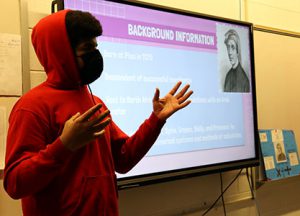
(91,94)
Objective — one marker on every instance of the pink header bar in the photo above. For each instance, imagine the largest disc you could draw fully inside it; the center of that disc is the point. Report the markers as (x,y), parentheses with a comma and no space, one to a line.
(149,32)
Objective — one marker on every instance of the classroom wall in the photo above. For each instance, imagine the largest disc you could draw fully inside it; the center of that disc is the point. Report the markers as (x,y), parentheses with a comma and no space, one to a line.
(9,10)
(189,196)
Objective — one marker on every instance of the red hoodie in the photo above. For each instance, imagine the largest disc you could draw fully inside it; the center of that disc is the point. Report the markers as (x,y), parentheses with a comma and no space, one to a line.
(50,179)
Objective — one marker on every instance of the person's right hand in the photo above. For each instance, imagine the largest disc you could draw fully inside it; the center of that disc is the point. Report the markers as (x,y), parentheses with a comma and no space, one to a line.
(79,130)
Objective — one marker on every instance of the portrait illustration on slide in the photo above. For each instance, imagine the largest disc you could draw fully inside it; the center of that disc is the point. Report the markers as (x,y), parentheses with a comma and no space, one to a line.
(233,59)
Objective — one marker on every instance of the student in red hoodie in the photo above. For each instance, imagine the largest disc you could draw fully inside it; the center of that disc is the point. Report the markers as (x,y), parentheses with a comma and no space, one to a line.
(63,149)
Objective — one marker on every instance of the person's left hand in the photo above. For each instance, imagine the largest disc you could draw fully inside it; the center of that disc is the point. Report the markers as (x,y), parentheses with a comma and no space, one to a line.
(172,102)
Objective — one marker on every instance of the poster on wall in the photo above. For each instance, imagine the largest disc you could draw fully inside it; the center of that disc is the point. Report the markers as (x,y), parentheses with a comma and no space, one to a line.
(280,153)
(10,65)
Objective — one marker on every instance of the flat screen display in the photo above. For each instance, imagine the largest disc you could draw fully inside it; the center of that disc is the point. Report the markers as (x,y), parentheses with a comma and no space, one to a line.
(145,47)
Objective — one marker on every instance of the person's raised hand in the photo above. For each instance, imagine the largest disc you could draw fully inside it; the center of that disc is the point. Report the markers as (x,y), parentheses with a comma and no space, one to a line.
(164,107)
(81,129)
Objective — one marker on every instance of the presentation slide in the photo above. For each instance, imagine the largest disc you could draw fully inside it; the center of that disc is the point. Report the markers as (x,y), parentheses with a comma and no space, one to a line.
(144,49)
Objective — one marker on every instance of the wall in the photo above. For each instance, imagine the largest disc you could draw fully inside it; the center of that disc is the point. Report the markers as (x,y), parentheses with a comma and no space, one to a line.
(189,196)
(9,10)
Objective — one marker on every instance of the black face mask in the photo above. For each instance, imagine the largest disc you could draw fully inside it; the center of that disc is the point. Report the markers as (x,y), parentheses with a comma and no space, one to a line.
(93,67)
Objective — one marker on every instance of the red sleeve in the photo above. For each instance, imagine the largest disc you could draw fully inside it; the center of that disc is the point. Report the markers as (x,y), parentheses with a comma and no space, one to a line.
(30,163)
(128,151)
